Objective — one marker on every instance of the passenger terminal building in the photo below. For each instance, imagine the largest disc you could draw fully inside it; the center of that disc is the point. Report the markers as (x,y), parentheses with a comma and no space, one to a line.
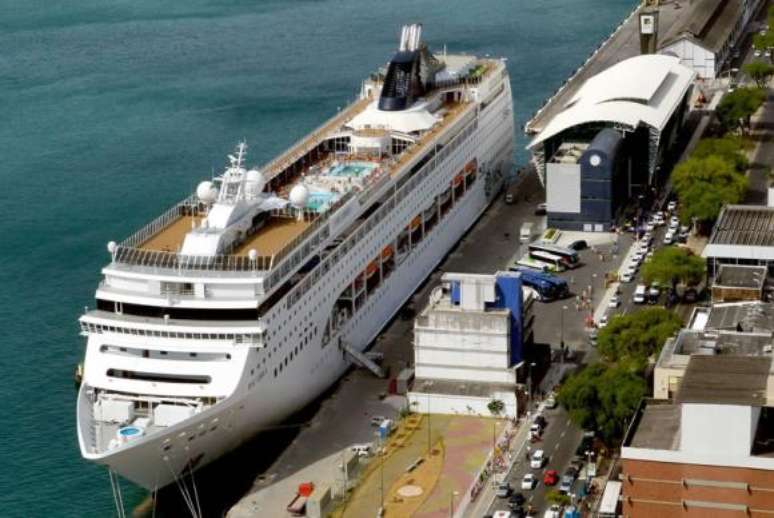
(608,142)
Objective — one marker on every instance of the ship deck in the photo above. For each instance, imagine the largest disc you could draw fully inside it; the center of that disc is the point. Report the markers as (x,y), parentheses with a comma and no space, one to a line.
(273,236)
(170,238)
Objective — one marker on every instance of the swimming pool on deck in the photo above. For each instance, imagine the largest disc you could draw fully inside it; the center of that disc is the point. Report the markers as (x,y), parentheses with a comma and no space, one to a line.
(320,201)
(352,169)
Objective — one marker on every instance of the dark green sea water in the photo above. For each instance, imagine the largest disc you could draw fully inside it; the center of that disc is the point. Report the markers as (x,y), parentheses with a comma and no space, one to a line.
(112,110)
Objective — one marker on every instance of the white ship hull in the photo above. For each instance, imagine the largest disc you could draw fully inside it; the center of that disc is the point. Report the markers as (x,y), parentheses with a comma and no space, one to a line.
(312,356)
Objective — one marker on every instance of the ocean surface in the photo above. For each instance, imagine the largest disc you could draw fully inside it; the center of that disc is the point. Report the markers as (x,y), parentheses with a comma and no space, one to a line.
(112,110)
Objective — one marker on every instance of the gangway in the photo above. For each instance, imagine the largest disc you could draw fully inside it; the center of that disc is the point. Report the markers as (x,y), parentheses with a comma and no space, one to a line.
(363,360)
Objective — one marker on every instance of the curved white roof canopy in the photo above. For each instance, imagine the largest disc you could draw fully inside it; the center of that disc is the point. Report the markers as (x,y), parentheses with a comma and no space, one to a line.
(644,89)
(413,119)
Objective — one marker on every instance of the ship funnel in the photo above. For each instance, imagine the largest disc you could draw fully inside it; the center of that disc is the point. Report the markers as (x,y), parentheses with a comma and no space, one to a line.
(417,36)
(403,38)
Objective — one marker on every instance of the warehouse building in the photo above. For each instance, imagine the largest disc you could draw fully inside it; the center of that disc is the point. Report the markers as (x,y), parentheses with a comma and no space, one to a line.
(607,143)
(743,234)
(705,37)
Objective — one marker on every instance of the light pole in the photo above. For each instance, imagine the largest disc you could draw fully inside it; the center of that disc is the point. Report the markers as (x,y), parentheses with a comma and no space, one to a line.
(561,341)
(428,424)
(452,494)
(529,386)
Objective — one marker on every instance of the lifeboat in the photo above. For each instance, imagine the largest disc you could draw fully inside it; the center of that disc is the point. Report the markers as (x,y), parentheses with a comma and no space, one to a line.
(470,167)
(371,269)
(457,180)
(387,252)
(415,223)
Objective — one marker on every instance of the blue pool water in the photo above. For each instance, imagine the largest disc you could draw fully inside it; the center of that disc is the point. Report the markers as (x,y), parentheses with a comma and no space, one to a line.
(320,201)
(354,169)
(111,111)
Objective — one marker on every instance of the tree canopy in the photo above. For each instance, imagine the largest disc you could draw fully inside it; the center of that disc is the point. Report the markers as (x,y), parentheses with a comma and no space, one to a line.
(759,71)
(736,108)
(730,148)
(602,398)
(704,185)
(631,339)
(673,264)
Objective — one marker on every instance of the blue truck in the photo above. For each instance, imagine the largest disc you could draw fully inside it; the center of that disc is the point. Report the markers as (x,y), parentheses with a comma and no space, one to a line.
(548,287)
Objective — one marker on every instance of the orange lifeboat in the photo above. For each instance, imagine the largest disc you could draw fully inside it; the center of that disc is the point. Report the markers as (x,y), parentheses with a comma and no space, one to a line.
(371,269)
(470,167)
(457,180)
(387,252)
(415,223)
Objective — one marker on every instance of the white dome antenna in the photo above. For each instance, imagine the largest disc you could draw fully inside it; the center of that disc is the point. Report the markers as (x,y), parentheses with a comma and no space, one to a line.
(254,183)
(207,192)
(299,195)
(111,247)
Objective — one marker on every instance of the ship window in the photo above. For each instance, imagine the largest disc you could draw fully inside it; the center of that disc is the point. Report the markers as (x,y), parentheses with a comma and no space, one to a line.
(159,377)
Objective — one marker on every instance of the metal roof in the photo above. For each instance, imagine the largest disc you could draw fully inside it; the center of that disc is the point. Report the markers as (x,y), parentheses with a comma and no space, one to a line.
(707,22)
(740,276)
(726,380)
(644,89)
(751,225)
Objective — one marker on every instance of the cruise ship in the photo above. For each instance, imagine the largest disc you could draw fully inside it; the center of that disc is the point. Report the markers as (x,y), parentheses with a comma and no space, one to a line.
(245,301)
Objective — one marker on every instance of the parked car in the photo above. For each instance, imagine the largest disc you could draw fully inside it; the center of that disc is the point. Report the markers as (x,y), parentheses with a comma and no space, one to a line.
(603,321)
(551,477)
(647,238)
(639,294)
(535,429)
(377,420)
(672,205)
(627,275)
(541,209)
(566,485)
(580,244)
(555,511)
(654,292)
(516,499)
(509,198)
(362,450)
(503,490)
(537,460)
(551,401)
(669,237)
(615,301)
(528,482)
(540,420)
(757,53)
(593,334)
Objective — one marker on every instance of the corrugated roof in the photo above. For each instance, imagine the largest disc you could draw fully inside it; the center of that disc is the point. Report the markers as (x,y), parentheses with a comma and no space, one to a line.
(726,380)
(750,225)
(708,22)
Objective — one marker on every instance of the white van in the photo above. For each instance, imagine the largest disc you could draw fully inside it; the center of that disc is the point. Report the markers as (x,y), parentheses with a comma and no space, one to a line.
(362,450)
(639,294)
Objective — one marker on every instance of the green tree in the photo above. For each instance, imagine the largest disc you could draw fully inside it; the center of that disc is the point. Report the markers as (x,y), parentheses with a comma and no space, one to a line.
(672,265)
(736,108)
(496,407)
(555,497)
(760,72)
(631,339)
(603,398)
(704,185)
(730,148)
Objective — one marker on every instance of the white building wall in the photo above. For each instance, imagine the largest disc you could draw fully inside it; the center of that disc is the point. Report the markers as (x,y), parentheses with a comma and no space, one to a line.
(563,189)
(693,56)
(458,404)
(465,374)
(481,359)
(700,433)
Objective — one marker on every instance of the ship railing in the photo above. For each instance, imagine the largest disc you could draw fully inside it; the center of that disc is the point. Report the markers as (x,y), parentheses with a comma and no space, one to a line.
(156,259)
(187,207)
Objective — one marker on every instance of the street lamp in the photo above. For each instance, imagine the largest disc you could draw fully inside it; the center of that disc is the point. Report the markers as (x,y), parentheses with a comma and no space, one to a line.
(561,341)
(529,386)
(452,494)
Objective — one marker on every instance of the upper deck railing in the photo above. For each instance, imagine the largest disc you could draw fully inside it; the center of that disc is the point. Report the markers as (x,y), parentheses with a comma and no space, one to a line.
(130,253)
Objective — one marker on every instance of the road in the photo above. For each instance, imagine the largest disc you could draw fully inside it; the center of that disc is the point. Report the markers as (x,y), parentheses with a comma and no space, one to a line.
(560,439)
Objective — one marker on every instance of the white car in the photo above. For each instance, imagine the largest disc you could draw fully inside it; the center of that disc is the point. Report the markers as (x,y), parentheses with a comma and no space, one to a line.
(757,53)
(671,206)
(555,511)
(602,322)
(650,226)
(537,460)
(627,276)
(646,239)
(638,255)
(669,238)
(528,482)
(551,401)
(767,54)
(615,301)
